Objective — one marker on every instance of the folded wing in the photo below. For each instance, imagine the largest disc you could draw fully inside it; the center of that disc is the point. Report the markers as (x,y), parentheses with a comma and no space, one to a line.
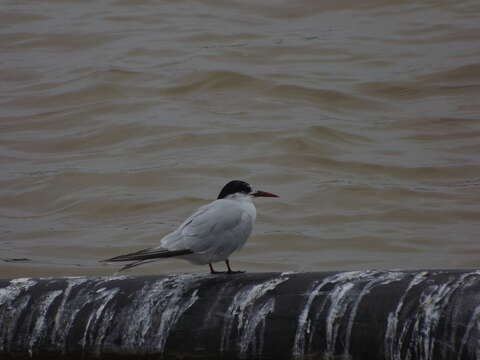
(217,228)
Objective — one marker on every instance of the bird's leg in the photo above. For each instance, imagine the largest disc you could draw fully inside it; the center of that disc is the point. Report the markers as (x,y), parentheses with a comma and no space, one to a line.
(212,271)
(230,271)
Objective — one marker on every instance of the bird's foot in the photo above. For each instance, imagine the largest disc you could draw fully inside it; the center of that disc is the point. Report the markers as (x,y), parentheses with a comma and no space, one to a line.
(218,272)
(230,272)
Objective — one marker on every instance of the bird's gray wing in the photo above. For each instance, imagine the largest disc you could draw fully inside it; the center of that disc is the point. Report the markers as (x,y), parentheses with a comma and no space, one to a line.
(174,240)
(217,227)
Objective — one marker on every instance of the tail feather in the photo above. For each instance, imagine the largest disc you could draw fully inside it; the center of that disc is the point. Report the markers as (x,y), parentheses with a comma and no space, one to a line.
(148,254)
(135,263)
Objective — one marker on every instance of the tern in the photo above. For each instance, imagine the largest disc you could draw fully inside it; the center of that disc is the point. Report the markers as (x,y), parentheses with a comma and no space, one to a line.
(211,234)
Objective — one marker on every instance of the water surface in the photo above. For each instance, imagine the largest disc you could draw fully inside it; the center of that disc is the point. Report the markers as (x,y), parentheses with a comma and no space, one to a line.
(119,118)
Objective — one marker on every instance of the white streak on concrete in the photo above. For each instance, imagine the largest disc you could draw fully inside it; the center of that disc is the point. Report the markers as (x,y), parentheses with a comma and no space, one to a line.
(90,292)
(40,314)
(139,320)
(254,324)
(343,301)
(70,307)
(433,301)
(427,319)
(10,320)
(170,297)
(377,279)
(393,343)
(474,322)
(101,299)
(303,327)
(177,305)
(306,326)
(12,305)
(456,312)
(12,291)
(213,312)
(62,325)
(339,301)
(249,309)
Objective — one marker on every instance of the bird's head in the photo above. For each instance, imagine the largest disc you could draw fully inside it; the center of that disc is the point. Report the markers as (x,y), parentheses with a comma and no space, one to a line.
(241,187)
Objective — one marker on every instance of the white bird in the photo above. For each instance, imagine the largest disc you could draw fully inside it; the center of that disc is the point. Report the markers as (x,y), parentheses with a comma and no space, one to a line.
(211,234)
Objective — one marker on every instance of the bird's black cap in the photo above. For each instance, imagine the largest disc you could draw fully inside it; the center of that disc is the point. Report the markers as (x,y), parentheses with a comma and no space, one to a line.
(233,187)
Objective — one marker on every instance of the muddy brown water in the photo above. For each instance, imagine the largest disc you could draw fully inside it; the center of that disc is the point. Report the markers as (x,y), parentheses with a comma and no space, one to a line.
(119,118)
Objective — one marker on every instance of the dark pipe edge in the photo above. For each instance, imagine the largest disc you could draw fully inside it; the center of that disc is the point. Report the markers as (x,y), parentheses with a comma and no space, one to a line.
(424,314)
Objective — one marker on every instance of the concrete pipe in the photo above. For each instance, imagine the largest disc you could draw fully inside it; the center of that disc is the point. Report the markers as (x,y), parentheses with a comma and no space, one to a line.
(360,315)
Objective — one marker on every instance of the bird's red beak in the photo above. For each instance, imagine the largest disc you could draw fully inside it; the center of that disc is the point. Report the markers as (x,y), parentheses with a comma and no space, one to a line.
(259,193)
